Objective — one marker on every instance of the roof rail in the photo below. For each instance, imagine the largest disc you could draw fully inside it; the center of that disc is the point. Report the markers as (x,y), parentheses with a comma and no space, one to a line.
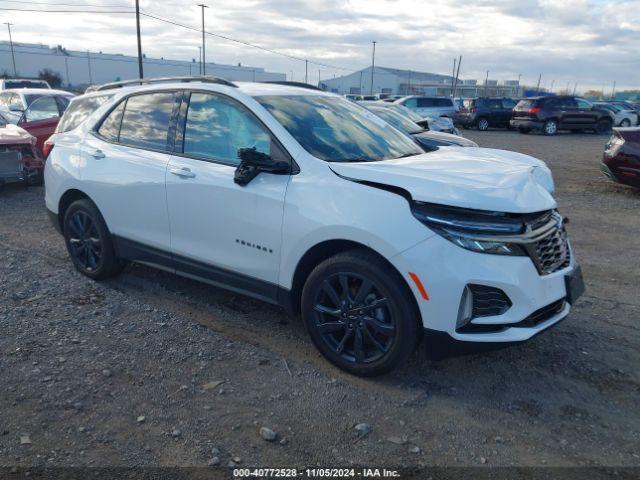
(146,81)
(293,84)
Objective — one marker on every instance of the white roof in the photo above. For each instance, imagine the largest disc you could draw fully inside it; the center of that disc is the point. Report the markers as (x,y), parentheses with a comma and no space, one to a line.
(41,91)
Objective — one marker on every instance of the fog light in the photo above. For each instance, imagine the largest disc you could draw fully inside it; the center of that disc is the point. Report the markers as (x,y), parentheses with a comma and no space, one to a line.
(465,311)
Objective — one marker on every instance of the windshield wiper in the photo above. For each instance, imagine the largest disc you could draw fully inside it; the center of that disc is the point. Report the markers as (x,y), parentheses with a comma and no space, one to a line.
(408,155)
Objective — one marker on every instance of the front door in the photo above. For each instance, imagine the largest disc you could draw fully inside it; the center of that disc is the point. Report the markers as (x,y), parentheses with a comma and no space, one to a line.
(40,119)
(221,231)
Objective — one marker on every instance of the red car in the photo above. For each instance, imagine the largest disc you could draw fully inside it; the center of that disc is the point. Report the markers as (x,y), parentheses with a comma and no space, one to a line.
(621,159)
(20,161)
(37,110)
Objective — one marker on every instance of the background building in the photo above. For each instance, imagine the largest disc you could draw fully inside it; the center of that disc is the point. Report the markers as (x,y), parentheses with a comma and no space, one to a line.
(410,82)
(77,68)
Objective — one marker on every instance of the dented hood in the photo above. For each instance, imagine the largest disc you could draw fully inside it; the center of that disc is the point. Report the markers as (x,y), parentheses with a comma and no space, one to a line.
(478,178)
(13,135)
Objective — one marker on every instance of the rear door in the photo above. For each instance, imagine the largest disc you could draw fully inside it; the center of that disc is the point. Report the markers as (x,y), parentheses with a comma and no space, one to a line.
(125,166)
(506,109)
(41,118)
(586,115)
(221,231)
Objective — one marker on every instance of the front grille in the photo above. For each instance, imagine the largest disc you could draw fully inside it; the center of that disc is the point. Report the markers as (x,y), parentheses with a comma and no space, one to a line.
(551,253)
(488,301)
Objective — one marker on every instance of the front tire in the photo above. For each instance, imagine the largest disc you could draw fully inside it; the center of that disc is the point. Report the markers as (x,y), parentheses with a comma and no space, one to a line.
(360,313)
(89,242)
(550,127)
(483,124)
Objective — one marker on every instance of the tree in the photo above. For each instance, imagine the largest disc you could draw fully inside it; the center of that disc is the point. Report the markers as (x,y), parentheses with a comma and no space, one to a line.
(53,78)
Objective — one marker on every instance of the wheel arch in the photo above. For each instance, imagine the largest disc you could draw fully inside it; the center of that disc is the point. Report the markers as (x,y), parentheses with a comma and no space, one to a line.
(67,198)
(324,250)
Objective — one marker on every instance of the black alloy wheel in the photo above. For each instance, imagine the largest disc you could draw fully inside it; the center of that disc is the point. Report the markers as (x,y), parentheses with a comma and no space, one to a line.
(85,241)
(89,242)
(360,313)
(353,318)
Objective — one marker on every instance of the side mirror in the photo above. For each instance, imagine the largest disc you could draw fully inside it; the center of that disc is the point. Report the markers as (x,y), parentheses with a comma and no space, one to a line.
(253,162)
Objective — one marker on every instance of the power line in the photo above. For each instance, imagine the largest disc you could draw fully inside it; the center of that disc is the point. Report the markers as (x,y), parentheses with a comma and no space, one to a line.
(241,42)
(63,11)
(67,4)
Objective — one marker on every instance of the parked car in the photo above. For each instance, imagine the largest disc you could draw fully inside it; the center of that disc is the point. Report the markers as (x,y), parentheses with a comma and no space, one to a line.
(553,113)
(429,106)
(427,139)
(304,199)
(621,158)
(7,83)
(19,160)
(622,117)
(434,124)
(353,97)
(36,110)
(485,112)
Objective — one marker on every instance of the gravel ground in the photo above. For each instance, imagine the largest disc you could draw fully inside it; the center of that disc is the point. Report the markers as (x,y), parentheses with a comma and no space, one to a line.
(149,369)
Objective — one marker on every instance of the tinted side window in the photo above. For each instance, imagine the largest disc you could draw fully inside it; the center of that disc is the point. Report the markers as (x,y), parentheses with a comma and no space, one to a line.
(146,119)
(110,128)
(494,104)
(42,109)
(426,102)
(78,111)
(411,103)
(583,104)
(216,128)
(508,103)
(443,102)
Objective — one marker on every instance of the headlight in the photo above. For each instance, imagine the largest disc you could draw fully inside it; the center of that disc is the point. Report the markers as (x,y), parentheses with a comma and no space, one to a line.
(476,230)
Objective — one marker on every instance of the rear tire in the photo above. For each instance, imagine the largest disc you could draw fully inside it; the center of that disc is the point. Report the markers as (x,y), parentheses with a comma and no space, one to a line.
(360,313)
(89,242)
(550,127)
(603,127)
(483,124)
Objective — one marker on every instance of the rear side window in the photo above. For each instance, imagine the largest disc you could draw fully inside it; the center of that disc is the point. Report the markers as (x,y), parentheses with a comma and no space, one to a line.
(494,104)
(444,102)
(78,110)
(508,103)
(145,123)
(426,102)
(43,108)
(524,104)
(110,128)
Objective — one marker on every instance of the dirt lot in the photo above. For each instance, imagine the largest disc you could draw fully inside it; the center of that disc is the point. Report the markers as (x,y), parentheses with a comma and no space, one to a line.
(126,372)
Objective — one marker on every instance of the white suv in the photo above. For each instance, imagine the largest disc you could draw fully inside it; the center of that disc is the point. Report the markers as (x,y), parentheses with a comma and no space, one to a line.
(304,199)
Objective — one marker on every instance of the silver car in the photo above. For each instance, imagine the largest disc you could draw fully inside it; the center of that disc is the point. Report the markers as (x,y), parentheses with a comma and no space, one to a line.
(429,106)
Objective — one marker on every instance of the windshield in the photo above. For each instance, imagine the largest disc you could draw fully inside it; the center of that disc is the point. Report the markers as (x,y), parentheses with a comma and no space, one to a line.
(406,111)
(398,121)
(336,130)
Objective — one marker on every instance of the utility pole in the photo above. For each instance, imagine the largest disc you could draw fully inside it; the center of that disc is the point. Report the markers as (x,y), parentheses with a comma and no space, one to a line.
(13,56)
(89,65)
(551,89)
(575,87)
(318,78)
(306,71)
(455,85)
(66,68)
(140,72)
(291,77)
(200,60)
(453,75)
(486,83)
(613,92)
(204,56)
(373,65)
(538,86)
(361,86)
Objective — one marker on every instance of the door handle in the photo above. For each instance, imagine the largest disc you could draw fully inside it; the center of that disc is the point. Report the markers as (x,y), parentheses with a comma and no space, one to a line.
(183,172)
(98,154)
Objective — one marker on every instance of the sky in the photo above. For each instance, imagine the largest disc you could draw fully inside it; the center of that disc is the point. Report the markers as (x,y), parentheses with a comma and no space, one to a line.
(592,42)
